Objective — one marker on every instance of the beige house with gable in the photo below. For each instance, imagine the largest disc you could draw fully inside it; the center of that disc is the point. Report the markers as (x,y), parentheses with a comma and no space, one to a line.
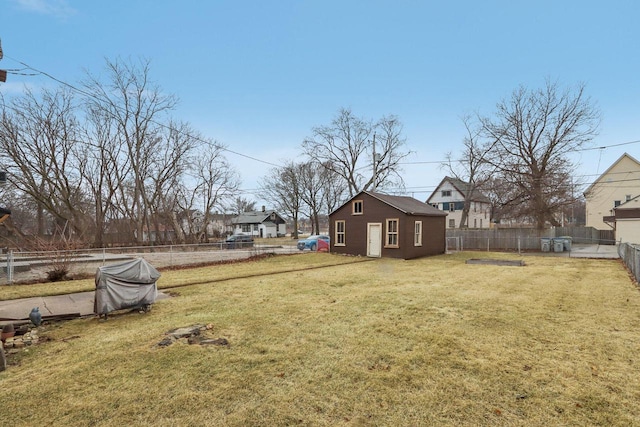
(617,185)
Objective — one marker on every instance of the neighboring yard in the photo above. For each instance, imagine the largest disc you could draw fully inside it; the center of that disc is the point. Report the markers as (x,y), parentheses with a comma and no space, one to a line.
(432,341)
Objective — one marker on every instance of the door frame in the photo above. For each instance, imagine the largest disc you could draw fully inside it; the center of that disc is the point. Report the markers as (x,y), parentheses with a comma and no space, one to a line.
(370,226)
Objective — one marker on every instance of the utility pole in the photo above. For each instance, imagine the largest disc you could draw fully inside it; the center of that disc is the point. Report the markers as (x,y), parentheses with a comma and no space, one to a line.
(375,164)
(3,73)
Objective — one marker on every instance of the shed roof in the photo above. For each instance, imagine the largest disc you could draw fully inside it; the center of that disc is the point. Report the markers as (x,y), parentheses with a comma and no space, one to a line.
(407,205)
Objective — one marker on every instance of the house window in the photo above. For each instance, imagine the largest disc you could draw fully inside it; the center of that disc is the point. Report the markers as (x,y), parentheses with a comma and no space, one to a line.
(357,207)
(392,233)
(446,193)
(246,228)
(475,222)
(340,235)
(452,223)
(616,203)
(435,205)
(452,207)
(628,197)
(480,222)
(255,227)
(417,234)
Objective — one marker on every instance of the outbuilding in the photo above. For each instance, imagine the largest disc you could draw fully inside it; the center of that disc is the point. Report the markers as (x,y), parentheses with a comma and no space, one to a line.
(380,225)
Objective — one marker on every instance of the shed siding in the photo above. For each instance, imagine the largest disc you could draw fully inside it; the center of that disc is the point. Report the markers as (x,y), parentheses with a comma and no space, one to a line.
(375,211)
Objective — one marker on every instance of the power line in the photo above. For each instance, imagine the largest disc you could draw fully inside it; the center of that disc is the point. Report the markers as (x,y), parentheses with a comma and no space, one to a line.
(93,96)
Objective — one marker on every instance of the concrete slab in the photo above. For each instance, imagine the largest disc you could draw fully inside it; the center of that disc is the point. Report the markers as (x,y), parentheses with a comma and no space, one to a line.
(60,305)
(594,251)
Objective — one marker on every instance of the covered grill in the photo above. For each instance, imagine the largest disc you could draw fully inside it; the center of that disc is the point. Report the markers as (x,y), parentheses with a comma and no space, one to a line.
(131,284)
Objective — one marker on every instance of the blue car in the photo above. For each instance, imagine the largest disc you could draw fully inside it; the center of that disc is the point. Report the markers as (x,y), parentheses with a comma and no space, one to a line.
(316,242)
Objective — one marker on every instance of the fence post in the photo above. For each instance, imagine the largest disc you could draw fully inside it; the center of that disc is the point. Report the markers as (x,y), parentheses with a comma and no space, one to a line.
(10,266)
(171,255)
(518,245)
(488,240)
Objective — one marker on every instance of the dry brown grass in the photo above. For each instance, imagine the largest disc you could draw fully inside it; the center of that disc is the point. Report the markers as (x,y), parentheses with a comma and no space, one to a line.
(432,341)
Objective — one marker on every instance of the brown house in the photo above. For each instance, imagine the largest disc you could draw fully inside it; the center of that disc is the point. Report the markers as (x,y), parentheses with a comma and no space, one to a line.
(379,225)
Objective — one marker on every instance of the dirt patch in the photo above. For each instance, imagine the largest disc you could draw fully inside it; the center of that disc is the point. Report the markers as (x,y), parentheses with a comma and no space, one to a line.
(503,262)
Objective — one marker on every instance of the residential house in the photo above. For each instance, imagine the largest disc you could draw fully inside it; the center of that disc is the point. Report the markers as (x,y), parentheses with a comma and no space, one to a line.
(618,184)
(626,220)
(449,196)
(379,225)
(264,223)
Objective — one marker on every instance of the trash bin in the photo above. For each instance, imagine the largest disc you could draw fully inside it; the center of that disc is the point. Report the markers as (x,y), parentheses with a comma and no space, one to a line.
(567,242)
(558,245)
(546,244)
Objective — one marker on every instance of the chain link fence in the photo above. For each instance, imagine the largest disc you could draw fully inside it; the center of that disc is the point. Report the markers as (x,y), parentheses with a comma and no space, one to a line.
(22,266)
(630,255)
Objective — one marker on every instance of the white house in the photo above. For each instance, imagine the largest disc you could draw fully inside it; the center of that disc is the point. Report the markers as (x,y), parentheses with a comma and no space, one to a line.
(449,196)
(264,223)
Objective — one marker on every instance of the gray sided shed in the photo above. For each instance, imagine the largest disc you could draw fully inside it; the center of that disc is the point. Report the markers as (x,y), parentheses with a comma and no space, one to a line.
(375,211)
(125,285)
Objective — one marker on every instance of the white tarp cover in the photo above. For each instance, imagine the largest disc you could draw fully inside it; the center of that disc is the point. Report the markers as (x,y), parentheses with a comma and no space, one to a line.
(125,285)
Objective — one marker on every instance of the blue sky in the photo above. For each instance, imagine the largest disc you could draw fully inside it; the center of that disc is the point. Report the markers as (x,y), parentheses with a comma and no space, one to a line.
(259,75)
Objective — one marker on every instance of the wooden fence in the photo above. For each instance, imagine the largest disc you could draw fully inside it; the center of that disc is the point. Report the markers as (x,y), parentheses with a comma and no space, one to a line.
(526,239)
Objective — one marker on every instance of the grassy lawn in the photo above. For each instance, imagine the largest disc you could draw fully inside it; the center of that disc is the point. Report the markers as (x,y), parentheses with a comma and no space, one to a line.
(432,341)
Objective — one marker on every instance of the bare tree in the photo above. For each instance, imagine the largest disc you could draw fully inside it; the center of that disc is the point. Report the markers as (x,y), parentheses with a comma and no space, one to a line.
(313,181)
(136,106)
(351,149)
(240,205)
(471,167)
(37,136)
(533,133)
(217,182)
(283,188)
(103,167)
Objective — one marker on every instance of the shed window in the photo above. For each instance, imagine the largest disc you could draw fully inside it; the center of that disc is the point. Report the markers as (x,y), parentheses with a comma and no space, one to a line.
(417,235)
(392,233)
(357,207)
(340,233)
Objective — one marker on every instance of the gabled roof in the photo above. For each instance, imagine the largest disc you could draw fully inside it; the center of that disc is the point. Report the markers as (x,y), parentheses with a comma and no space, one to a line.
(257,217)
(609,170)
(464,188)
(407,205)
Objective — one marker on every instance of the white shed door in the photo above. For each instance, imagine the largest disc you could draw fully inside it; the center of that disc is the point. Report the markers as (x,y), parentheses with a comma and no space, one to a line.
(374,240)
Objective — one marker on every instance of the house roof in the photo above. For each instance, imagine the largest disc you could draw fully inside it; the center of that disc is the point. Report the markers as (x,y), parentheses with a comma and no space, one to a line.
(407,205)
(464,188)
(256,217)
(609,170)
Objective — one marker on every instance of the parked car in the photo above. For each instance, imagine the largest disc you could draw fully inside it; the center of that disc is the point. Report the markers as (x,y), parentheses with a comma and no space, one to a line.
(316,242)
(238,241)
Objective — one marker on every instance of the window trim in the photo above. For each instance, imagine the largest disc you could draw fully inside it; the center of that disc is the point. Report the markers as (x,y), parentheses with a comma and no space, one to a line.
(353,207)
(388,233)
(340,233)
(417,233)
